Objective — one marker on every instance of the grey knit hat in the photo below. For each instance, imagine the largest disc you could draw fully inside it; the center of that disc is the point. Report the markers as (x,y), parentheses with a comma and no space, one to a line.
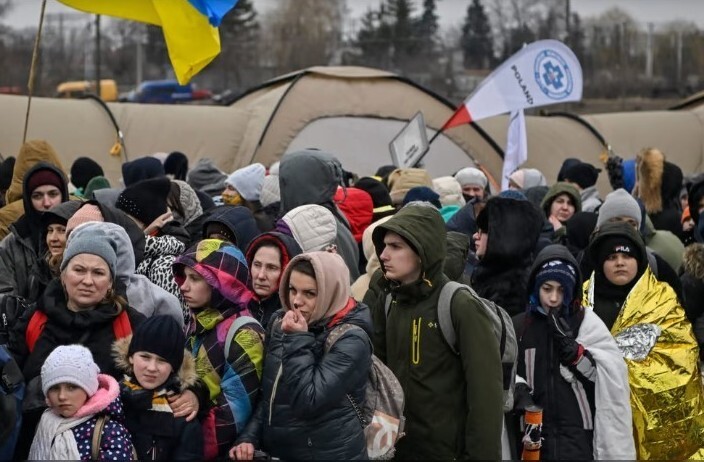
(95,243)
(471,175)
(619,203)
(70,364)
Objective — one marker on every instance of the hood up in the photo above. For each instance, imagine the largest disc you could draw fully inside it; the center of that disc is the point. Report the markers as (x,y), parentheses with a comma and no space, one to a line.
(333,281)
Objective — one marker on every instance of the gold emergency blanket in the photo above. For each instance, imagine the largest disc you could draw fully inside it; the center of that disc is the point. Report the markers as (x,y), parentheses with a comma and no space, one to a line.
(667,398)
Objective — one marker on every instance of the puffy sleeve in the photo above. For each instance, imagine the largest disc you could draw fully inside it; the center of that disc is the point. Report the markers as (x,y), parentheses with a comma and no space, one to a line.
(318,383)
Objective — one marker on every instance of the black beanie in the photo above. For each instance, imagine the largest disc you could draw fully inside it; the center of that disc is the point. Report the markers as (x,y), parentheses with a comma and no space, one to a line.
(160,335)
(569,162)
(6,169)
(141,169)
(83,170)
(376,189)
(176,164)
(585,175)
(145,200)
(610,245)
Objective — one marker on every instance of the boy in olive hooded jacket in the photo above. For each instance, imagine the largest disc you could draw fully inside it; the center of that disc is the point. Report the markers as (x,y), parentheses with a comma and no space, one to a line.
(453,402)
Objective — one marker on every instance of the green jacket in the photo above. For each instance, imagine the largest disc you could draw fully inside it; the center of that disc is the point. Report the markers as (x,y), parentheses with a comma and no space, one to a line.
(453,403)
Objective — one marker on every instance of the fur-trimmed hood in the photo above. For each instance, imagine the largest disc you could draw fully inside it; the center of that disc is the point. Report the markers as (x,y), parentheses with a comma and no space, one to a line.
(186,374)
(694,261)
(659,181)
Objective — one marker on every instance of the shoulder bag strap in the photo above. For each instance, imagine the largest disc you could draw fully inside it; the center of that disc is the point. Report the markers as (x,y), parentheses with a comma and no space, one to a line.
(97,436)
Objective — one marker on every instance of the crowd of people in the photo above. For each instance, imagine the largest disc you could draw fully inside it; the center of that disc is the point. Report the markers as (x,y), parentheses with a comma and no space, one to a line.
(191,314)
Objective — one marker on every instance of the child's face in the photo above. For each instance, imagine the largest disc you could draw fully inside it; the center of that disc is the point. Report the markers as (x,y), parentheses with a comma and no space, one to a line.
(66,399)
(150,370)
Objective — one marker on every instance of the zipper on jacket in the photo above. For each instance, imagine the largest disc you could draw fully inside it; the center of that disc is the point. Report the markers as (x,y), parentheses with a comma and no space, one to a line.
(415,341)
(273,392)
(551,394)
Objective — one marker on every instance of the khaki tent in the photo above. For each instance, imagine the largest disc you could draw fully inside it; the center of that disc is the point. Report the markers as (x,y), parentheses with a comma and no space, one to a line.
(350,111)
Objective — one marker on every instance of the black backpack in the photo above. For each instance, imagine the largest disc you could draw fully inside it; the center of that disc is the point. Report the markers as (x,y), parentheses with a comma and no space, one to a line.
(12,308)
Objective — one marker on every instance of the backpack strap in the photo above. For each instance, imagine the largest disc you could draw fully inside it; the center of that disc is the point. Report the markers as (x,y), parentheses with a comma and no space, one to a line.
(35,328)
(121,326)
(445,313)
(238,323)
(337,332)
(97,436)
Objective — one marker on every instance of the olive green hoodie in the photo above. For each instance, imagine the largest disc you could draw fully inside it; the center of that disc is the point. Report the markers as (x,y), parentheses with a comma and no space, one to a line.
(453,402)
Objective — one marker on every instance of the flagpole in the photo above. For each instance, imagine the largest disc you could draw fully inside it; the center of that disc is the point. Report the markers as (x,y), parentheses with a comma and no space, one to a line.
(32,71)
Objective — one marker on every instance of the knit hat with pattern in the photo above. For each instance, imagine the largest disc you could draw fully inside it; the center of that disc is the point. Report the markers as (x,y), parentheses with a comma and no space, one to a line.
(70,364)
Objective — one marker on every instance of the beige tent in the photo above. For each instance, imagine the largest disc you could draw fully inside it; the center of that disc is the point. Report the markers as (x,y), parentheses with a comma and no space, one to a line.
(352,112)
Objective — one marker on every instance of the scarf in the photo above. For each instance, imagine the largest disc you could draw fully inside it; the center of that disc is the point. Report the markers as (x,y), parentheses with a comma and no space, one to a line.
(611,291)
(54,439)
(137,398)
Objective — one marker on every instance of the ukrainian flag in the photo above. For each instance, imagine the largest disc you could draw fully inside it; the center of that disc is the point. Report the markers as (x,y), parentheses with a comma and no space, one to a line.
(190,26)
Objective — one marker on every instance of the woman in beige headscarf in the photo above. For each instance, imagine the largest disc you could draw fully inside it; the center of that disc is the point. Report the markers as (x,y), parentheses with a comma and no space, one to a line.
(310,389)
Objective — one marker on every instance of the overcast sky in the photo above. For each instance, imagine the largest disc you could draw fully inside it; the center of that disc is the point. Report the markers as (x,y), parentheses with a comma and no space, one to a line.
(26,12)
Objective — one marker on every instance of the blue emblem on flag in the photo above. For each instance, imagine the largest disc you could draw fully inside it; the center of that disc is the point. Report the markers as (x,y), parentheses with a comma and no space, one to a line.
(553,75)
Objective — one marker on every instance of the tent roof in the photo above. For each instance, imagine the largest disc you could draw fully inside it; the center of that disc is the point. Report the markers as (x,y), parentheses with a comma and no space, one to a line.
(263,123)
(281,108)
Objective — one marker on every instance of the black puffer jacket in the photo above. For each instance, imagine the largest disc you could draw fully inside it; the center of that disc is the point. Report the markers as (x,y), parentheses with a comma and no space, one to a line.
(502,274)
(538,362)
(304,412)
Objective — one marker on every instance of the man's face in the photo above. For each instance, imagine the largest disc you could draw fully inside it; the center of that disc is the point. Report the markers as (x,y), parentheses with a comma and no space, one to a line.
(473,190)
(624,219)
(45,197)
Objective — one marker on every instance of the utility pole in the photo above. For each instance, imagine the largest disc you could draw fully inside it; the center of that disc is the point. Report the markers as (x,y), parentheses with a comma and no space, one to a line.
(97,55)
(567,22)
(679,58)
(649,52)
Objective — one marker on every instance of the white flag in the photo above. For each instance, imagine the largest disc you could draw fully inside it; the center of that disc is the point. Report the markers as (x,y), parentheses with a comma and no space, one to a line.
(516,146)
(542,73)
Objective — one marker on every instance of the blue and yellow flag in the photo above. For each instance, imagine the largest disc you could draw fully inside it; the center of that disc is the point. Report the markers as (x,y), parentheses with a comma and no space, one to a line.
(190,26)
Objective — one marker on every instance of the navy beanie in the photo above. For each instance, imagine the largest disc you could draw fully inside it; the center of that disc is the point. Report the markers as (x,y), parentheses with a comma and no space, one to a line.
(513,194)
(559,271)
(422,194)
(160,335)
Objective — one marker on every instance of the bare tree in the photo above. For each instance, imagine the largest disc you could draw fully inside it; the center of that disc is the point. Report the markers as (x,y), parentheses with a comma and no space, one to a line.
(302,33)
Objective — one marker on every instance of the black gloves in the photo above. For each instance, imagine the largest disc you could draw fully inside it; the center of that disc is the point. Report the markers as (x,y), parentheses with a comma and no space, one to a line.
(569,350)
(522,398)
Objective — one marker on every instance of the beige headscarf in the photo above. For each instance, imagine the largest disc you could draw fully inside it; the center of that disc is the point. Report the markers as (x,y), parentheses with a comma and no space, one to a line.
(333,279)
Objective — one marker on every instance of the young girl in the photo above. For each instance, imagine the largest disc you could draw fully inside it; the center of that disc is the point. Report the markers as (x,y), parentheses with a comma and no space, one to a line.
(81,402)
(155,367)
(223,338)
